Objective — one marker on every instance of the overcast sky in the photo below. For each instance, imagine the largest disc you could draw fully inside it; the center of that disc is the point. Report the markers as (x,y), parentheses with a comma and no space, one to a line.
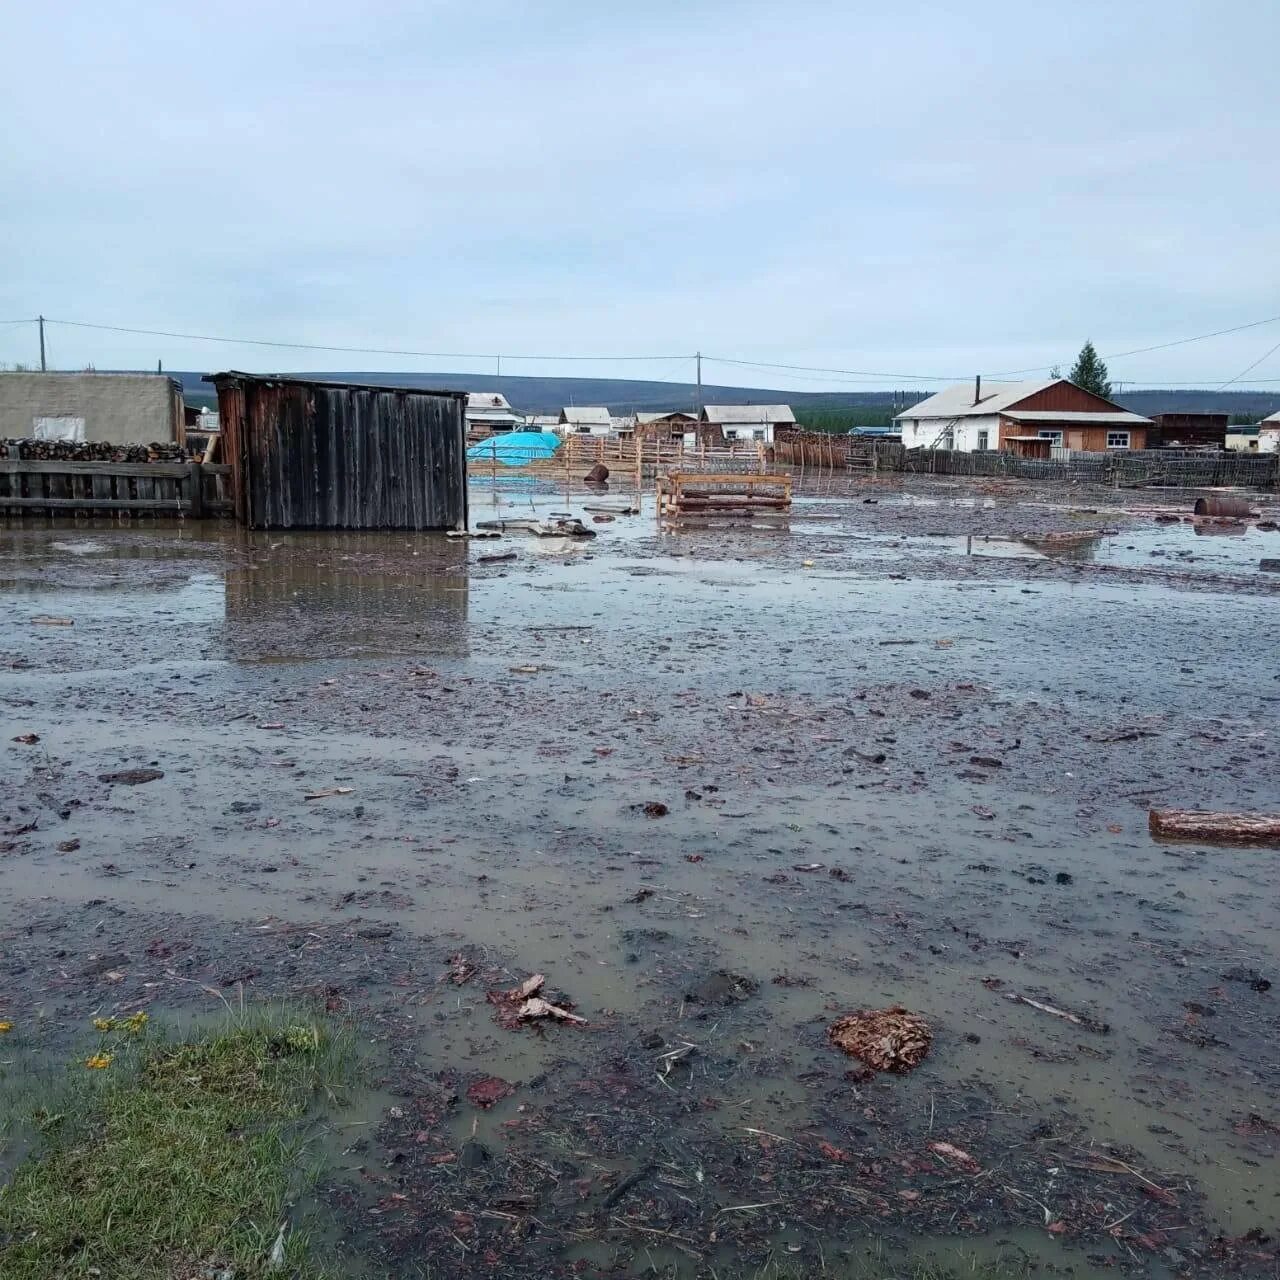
(908,188)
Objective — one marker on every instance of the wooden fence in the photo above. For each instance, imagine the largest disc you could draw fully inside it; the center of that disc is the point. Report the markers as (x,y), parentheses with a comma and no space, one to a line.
(160,489)
(1126,469)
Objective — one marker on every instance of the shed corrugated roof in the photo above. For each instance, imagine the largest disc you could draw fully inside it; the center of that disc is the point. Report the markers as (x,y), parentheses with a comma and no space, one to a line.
(643,418)
(588,415)
(1272,421)
(488,400)
(751,414)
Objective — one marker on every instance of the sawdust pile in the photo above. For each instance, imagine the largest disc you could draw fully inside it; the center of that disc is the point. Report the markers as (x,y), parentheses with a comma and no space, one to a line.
(885,1039)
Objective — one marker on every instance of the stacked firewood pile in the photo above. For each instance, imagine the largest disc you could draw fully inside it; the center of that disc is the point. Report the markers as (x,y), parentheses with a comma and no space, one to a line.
(93,451)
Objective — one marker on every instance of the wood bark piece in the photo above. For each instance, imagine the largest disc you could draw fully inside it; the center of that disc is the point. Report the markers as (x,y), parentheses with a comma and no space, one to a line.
(885,1039)
(1215,828)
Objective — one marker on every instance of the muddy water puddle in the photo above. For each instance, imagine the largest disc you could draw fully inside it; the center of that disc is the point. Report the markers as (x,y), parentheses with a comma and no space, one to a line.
(830,843)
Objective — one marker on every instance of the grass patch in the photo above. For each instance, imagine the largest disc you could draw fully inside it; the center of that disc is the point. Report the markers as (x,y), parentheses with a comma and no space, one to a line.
(170,1160)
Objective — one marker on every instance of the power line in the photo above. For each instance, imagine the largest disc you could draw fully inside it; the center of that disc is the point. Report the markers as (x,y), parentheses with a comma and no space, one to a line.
(365,351)
(1160,346)
(27,320)
(1254,365)
(855,373)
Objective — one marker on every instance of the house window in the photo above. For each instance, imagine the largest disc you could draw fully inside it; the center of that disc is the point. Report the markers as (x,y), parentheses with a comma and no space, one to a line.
(948,440)
(1117,439)
(730,433)
(984,441)
(1054,436)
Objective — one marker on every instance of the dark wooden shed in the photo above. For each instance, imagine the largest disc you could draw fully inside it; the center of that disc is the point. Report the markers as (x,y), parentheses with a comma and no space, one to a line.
(342,455)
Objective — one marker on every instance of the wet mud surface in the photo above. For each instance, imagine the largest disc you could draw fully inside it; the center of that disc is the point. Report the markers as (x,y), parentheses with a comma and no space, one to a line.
(722,786)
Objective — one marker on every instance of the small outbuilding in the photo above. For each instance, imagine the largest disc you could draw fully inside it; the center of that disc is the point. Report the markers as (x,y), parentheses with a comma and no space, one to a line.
(972,417)
(668,426)
(760,422)
(1188,431)
(110,408)
(342,455)
(586,420)
(1269,434)
(491,411)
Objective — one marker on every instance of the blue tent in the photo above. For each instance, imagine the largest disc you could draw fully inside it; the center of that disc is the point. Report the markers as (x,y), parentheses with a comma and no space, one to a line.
(515,448)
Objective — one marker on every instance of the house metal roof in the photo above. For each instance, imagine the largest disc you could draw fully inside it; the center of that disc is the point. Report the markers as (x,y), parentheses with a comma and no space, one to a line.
(1120,417)
(750,414)
(957,401)
(1272,421)
(586,415)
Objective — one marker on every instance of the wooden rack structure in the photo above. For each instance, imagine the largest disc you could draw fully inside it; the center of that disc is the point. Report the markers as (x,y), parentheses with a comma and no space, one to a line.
(682,493)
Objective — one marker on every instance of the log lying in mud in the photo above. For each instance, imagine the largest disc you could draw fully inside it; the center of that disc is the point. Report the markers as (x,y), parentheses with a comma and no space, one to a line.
(1215,828)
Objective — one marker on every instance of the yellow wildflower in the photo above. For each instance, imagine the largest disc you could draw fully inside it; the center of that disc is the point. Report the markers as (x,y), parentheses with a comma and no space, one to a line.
(135,1022)
(5,1026)
(104,1024)
(98,1061)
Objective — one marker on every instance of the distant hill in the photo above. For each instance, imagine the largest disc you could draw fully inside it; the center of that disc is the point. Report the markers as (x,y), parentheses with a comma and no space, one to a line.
(623,396)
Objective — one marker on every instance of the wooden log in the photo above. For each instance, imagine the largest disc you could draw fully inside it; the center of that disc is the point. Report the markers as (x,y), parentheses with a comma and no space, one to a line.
(1215,828)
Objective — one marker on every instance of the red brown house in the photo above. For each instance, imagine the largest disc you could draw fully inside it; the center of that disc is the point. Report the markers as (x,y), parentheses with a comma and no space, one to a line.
(1028,418)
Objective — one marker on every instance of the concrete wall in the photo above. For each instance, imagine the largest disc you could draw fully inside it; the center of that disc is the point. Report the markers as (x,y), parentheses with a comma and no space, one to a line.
(119,408)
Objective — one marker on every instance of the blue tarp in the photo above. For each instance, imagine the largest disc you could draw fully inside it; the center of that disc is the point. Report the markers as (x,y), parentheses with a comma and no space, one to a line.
(514,448)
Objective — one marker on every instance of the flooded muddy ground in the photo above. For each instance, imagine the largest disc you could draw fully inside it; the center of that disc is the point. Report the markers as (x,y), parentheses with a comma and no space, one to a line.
(721,785)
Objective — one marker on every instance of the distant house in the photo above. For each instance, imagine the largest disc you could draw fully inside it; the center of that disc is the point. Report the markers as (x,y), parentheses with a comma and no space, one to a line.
(734,422)
(113,408)
(669,426)
(1269,434)
(491,411)
(1028,418)
(586,421)
(1188,431)
(541,421)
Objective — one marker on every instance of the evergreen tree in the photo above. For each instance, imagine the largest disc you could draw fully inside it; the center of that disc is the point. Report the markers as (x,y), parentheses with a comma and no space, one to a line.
(1090,373)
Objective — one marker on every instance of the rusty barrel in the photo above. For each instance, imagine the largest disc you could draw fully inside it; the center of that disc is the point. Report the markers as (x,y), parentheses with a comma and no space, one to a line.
(1224,505)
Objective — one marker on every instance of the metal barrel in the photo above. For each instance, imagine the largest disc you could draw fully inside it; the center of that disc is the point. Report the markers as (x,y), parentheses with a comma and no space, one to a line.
(1225,505)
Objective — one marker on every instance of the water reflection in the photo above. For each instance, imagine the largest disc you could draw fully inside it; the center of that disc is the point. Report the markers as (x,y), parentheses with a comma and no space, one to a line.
(311,596)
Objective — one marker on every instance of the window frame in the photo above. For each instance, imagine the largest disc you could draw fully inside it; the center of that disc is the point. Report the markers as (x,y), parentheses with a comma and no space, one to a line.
(1128,437)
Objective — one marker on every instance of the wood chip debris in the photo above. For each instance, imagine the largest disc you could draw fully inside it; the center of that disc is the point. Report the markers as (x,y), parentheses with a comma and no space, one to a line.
(328,791)
(890,1039)
(523,1004)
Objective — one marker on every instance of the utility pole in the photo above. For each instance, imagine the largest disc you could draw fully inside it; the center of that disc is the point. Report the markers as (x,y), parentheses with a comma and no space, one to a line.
(43,366)
(697,404)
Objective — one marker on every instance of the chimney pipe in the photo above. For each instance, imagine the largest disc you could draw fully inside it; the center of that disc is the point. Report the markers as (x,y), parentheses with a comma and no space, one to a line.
(977,388)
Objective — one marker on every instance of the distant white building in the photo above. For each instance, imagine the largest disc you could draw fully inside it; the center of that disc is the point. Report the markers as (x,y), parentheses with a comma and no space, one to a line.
(757,422)
(586,420)
(491,410)
(1269,434)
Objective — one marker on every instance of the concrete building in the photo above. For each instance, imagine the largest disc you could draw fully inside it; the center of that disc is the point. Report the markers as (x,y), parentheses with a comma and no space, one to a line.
(735,422)
(111,408)
(1028,418)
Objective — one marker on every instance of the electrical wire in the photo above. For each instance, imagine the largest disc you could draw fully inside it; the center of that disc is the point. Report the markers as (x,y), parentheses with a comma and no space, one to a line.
(364,351)
(855,373)
(1160,346)
(1254,365)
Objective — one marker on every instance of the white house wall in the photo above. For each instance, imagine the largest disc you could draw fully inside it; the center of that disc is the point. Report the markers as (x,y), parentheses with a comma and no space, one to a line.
(924,433)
